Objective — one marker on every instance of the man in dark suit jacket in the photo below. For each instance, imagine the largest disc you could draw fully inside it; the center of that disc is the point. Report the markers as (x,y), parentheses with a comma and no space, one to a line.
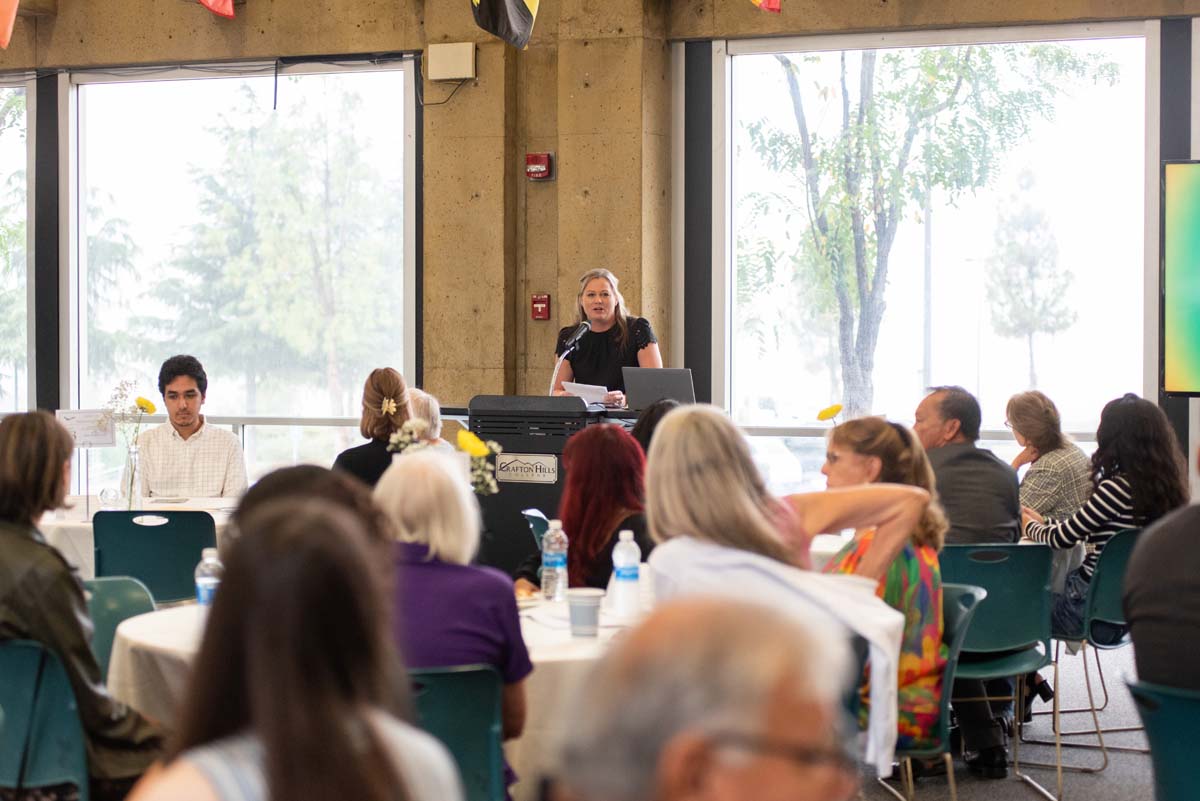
(980,495)
(978,490)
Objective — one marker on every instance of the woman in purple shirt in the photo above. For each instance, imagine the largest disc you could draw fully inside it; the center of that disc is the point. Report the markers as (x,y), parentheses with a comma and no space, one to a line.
(449,612)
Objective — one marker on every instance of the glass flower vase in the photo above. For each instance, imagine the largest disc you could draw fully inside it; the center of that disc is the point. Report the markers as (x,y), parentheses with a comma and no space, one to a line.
(131,482)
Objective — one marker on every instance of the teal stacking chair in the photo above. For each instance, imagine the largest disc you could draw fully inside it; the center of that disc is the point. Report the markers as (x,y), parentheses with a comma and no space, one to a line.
(1103,605)
(461,707)
(1170,716)
(54,750)
(20,665)
(110,601)
(1013,623)
(159,548)
(959,603)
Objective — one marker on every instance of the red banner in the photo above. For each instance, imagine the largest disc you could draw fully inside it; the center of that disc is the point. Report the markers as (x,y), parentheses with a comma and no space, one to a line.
(8,16)
(768,5)
(223,8)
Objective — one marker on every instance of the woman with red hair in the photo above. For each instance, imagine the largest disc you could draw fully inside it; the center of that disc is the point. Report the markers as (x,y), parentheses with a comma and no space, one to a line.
(604,494)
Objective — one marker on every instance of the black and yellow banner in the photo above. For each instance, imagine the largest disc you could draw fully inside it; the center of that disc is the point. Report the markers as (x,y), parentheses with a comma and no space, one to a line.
(511,20)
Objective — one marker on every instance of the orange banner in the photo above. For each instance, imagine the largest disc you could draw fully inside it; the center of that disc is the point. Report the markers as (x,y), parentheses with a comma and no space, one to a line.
(8,16)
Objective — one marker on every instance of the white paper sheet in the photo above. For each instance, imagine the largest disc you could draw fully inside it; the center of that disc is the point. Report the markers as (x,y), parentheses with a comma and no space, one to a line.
(591,393)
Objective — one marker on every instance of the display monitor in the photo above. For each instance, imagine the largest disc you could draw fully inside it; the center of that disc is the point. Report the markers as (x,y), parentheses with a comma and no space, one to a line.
(1180,341)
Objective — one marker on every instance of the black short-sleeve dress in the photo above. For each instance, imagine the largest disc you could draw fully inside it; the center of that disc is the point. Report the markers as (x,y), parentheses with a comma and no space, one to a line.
(598,359)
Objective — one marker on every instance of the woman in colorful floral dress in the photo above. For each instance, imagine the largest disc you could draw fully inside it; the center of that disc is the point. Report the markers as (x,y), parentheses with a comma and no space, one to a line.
(869,450)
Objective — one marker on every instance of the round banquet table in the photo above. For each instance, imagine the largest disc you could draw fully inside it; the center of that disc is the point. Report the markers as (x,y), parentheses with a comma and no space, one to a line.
(70,529)
(153,653)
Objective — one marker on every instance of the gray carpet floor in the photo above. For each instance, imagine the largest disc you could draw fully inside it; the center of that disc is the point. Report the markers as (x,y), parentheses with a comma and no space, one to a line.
(1128,776)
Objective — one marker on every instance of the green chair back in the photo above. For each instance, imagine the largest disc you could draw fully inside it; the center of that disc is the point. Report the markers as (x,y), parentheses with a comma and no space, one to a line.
(461,707)
(1170,716)
(1016,579)
(112,600)
(959,604)
(1104,590)
(54,750)
(20,664)
(160,549)
(538,524)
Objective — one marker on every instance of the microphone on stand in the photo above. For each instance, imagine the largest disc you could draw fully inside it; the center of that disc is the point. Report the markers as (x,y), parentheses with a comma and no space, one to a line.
(573,340)
(568,346)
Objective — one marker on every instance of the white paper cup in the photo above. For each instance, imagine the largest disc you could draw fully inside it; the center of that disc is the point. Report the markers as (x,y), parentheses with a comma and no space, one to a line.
(584,606)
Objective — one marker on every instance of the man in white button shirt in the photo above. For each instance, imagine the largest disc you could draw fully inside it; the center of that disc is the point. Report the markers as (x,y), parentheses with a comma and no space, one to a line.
(184,457)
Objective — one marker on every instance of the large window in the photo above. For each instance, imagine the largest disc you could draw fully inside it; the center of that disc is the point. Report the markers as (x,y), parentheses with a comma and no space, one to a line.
(908,216)
(258,223)
(14,252)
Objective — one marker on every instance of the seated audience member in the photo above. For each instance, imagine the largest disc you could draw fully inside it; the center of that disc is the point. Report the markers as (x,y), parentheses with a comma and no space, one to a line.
(447,611)
(1139,475)
(42,599)
(711,699)
(1059,478)
(978,491)
(603,496)
(704,506)
(185,457)
(309,481)
(869,450)
(296,688)
(648,420)
(1162,600)
(427,409)
(385,408)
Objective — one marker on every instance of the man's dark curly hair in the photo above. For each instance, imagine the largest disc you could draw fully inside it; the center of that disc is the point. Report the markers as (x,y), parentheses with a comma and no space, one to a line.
(1135,441)
(176,366)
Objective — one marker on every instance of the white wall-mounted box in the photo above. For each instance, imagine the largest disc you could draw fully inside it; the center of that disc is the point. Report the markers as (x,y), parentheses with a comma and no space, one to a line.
(450,62)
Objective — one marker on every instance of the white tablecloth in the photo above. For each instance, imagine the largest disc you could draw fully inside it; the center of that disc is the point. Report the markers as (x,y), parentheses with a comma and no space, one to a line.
(70,530)
(153,653)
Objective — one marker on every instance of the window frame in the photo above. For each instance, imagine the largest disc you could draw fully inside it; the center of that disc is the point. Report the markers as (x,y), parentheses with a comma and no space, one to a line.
(72,251)
(28,82)
(723,52)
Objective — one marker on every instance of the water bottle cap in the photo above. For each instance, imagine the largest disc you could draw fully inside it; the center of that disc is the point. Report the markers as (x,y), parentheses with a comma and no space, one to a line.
(208,553)
(626,535)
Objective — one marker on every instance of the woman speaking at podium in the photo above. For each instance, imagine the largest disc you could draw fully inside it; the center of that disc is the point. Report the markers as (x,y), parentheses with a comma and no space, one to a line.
(604,339)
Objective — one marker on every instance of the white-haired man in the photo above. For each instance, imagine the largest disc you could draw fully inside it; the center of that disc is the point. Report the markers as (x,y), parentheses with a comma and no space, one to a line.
(716,700)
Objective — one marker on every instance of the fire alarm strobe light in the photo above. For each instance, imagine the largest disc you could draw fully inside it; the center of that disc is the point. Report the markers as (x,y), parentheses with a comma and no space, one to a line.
(539,166)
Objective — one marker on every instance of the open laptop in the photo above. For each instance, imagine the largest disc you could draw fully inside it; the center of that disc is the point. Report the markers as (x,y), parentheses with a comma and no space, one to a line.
(645,385)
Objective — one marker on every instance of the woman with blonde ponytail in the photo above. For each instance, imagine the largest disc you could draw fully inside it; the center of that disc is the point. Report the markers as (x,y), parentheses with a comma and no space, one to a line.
(869,450)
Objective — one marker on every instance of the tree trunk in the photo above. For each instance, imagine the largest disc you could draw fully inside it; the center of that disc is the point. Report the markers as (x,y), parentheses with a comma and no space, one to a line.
(1032,371)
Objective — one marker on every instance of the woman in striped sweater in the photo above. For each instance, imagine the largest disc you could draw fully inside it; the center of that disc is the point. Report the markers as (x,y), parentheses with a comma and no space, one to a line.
(1138,475)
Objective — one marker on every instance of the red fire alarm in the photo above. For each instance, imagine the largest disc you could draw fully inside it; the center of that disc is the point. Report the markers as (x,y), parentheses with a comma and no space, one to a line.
(539,166)
(540,306)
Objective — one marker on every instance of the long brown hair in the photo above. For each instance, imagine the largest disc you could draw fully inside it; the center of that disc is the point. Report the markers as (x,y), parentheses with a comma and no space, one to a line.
(1035,417)
(33,449)
(297,649)
(382,385)
(1135,441)
(902,461)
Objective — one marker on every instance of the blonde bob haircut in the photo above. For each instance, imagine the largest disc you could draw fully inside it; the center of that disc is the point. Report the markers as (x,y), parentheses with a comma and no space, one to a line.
(902,460)
(621,310)
(383,384)
(428,499)
(702,483)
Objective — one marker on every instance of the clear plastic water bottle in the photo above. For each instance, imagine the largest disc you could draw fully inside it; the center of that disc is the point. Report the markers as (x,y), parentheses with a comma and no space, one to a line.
(554,563)
(208,576)
(627,558)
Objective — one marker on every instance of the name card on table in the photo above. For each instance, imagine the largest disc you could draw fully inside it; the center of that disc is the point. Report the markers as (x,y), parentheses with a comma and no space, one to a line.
(91,428)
